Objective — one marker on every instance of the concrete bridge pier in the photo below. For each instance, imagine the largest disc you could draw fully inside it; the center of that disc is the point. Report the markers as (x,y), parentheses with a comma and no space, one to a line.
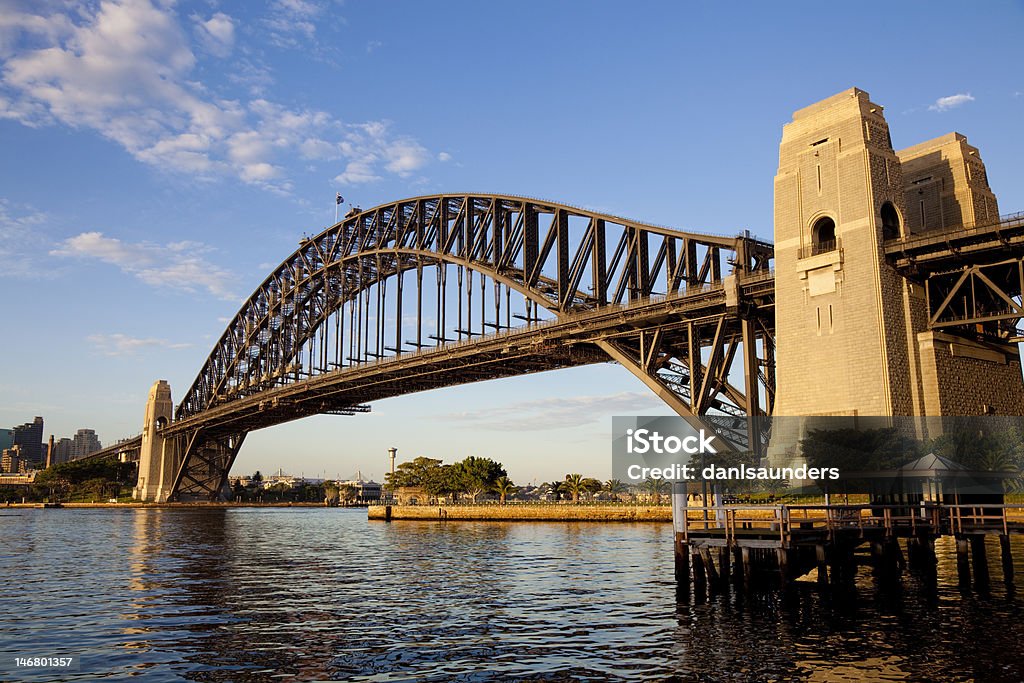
(157,461)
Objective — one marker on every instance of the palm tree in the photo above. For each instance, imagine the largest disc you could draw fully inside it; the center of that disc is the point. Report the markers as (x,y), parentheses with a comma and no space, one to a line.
(556,488)
(654,487)
(504,486)
(573,485)
(614,487)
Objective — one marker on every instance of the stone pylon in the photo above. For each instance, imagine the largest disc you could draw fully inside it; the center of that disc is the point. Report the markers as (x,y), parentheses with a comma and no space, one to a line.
(156,459)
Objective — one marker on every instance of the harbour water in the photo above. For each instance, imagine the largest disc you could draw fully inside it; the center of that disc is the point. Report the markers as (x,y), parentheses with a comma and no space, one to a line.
(264,594)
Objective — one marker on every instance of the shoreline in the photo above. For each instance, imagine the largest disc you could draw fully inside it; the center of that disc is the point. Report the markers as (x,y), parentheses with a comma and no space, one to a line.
(136,504)
(522,512)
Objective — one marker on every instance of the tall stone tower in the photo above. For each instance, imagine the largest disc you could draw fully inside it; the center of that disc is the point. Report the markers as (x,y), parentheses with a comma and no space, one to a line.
(852,334)
(841,312)
(156,464)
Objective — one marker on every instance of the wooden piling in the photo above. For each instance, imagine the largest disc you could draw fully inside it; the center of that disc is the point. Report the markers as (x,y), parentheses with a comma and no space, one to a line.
(700,585)
(821,556)
(709,567)
(737,566)
(1004,551)
(682,561)
(724,570)
(745,556)
(783,557)
(980,559)
(963,565)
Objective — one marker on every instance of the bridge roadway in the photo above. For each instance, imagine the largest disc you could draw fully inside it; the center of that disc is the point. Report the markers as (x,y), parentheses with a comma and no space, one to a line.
(575,339)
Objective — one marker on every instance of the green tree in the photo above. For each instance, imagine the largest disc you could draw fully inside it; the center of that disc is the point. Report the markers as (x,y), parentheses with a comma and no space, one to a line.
(503,486)
(418,472)
(614,487)
(591,486)
(573,485)
(654,488)
(477,475)
(347,493)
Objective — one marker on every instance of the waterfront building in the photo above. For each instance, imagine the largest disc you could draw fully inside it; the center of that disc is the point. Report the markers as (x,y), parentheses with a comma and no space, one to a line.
(29,437)
(365,489)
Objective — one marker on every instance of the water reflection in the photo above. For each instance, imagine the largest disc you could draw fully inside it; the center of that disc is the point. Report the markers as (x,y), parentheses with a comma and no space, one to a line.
(247,595)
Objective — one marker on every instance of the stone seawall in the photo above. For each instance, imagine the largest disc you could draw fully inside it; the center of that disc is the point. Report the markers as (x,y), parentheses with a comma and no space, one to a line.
(520,512)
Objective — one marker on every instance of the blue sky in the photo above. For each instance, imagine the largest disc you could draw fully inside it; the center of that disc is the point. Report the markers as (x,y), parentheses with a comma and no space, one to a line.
(158,159)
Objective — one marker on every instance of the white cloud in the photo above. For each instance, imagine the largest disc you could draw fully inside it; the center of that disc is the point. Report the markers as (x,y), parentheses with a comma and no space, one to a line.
(951,101)
(372,46)
(555,413)
(444,156)
(216,34)
(292,22)
(122,345)
(126,71)
(370,147)
(178,265)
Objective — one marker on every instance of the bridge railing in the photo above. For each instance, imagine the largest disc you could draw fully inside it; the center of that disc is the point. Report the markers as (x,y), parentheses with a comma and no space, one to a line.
(1005,222)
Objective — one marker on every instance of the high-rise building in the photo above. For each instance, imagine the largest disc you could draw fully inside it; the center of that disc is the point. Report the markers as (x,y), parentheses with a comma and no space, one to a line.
(6,439)
(84,443)
(62,450)
(11,461)
(30,437)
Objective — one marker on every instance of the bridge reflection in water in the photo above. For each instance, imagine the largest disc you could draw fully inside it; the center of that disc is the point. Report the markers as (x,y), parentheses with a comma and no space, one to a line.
(218,594)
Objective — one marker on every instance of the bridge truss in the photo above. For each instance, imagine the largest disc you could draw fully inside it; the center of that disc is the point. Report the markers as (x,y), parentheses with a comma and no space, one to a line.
(448,289)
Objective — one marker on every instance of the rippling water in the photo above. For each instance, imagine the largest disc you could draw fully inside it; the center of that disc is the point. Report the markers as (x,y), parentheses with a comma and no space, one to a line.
(314,594)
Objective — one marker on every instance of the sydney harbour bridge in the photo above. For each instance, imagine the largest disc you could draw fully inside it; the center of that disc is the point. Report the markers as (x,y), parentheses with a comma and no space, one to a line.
(441,290)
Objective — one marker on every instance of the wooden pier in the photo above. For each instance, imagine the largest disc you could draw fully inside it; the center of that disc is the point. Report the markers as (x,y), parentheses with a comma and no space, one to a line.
(769,546)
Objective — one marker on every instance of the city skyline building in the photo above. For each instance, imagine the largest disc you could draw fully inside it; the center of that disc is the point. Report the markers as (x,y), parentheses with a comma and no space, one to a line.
(83,443)
(29,437)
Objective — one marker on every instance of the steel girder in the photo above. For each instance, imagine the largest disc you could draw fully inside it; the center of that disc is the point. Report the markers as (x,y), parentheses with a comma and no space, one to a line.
(310,321)
(973,277)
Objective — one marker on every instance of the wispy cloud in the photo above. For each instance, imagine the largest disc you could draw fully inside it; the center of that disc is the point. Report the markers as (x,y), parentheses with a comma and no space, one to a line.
(21,241)
(123,345)
(126,69)
(216,34)
(372,46)
(292,24)
(371,148)
(554,413)
(951,101)
(180,266)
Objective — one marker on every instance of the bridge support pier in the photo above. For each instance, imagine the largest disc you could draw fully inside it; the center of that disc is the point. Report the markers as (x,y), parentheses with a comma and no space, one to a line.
(157,462)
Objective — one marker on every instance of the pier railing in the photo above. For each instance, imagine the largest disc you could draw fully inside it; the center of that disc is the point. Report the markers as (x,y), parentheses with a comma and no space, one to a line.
(785,522)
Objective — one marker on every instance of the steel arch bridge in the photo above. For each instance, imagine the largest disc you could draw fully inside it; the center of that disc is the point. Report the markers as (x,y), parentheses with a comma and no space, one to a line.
(447,289)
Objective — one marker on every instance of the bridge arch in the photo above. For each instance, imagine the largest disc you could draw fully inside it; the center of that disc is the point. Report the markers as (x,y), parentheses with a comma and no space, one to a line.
(478,261)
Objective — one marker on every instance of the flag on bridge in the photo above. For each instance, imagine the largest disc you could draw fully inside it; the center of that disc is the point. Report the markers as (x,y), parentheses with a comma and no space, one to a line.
(338,199)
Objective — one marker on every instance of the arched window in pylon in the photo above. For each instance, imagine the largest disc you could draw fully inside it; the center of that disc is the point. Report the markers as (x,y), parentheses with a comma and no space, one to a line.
(823,235)
(890,221)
